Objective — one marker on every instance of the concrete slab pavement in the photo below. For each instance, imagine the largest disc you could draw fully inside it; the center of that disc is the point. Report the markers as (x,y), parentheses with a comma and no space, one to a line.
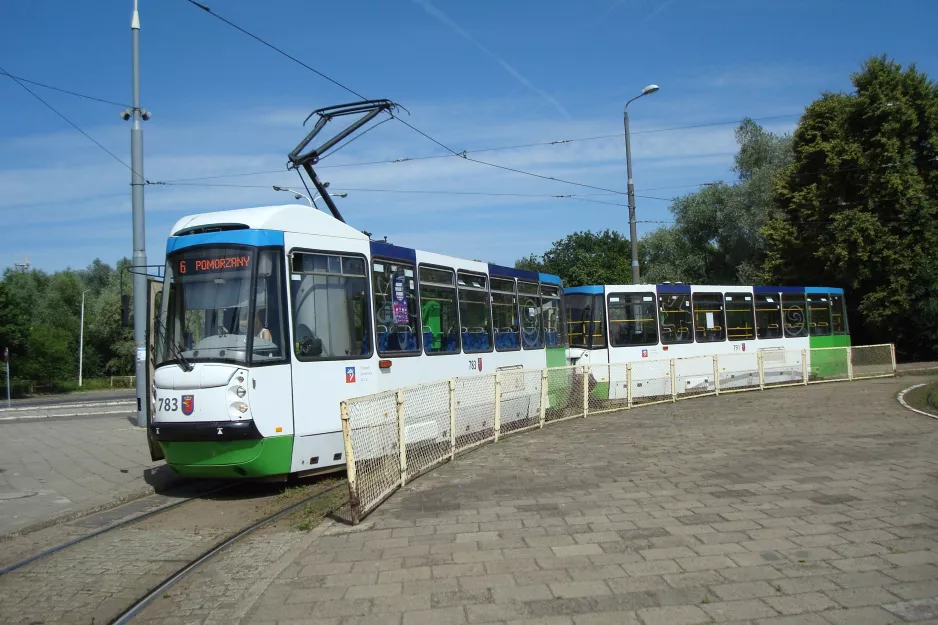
(810,504)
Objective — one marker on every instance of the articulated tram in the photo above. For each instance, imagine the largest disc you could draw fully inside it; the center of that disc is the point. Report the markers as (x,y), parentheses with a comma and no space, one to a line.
(271,316)
(649,325)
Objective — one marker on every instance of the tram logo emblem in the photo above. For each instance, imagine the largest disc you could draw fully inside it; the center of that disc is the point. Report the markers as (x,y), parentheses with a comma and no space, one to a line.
(644,353)
(480,365)
(188,404)
(350,375)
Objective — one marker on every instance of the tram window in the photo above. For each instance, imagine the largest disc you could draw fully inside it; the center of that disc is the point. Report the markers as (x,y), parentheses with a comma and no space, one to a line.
(740,325)
(531,335)
(330,306)
(578,310)
(838,315)
(709,318)
(632,319)
(550,313)
(505,314)
(438,311)
(396,315)
(268,344)
(793,306)
(819,314)
(476,328)
(768,316)
(677,322)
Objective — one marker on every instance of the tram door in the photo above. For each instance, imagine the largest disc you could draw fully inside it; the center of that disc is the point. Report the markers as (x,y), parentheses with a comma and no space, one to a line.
(154,301)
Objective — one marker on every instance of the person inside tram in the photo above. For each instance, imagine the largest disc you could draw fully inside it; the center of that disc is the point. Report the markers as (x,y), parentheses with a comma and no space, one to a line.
(260,331)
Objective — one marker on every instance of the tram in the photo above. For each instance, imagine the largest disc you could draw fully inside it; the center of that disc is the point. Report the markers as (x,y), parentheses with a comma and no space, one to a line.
(271,316)
(651,324)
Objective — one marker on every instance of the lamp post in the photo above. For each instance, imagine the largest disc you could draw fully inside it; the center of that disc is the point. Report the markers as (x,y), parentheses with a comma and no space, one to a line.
(633,228)
(312,201)
(81,337)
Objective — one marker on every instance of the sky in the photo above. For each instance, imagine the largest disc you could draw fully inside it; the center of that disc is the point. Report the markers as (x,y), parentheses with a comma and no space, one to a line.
(472,75)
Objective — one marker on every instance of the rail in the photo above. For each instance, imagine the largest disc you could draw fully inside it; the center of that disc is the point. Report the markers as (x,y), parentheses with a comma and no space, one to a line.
(395,436)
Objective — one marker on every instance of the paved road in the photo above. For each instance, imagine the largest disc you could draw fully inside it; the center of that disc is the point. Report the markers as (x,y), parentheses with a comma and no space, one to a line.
(125,394)
(792,506)
(51,468)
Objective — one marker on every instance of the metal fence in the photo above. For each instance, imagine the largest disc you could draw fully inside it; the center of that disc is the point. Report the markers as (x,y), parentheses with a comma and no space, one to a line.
(394,436)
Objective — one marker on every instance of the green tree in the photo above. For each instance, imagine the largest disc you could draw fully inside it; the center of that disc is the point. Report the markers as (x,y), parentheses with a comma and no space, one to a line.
(859,205)
(586,258)
(716,236)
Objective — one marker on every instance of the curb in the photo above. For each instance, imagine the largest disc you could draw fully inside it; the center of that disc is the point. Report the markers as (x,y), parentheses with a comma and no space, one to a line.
(920,371)
(901,398)
(126,497)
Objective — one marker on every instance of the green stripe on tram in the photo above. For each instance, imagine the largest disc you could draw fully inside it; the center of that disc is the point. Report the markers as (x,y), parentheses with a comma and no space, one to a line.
(249,458)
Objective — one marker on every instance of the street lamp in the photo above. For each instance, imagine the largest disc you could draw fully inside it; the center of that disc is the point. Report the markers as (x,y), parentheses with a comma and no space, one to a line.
(312,202)
(628,159)
(81,336)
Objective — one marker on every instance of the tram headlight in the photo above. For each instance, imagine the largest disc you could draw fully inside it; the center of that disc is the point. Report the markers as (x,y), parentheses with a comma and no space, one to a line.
(243,407)
(241,392)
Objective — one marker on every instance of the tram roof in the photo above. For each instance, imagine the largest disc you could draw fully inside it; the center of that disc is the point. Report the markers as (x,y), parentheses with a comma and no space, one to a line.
(297,218)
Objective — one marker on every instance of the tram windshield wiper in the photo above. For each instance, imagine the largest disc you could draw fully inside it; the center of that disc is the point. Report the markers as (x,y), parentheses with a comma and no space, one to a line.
(184,364)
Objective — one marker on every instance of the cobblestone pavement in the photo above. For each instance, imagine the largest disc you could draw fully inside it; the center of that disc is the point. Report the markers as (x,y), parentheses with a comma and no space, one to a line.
(54,467)
(793,506)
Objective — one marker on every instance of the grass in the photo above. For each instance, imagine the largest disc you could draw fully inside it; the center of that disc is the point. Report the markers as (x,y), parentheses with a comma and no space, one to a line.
(919,398)
(312,513)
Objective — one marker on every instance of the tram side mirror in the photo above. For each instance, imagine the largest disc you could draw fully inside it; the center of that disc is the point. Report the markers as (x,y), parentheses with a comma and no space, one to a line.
(125,311)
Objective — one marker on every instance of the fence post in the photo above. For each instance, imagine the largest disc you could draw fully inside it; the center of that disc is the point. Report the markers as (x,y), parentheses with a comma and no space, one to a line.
(849,363)
(112,381)
(628,384)
(760,358)
(543,397)
(673,381)
(498,404)
(402,443)
(716,374)
(586,390)
(804,366)
(354,501)
(892,354)
(452,418)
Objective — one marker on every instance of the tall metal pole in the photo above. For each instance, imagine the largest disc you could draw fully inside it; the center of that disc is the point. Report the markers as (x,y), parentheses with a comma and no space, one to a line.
(140,252)
(81,338)
(6,358)
(633,227)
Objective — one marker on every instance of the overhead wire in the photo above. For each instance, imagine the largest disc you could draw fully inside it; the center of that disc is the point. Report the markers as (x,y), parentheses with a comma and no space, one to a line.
(401,120)
(70,122)
(59,89)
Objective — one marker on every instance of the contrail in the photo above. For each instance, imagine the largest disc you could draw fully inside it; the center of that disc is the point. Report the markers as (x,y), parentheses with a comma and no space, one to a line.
(661,7)
(430,8)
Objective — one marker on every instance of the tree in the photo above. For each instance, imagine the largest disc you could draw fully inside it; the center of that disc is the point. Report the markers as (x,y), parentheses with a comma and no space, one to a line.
(586,258)
(716,236)
(858,207)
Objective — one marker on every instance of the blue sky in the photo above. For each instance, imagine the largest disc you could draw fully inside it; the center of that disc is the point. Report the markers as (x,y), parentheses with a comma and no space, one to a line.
(473,75)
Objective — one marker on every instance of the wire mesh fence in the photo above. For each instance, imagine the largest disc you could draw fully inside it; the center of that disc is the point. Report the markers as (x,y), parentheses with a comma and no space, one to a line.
(394,436)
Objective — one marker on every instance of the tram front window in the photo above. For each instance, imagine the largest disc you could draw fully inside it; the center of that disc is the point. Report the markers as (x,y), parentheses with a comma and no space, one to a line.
(207,315)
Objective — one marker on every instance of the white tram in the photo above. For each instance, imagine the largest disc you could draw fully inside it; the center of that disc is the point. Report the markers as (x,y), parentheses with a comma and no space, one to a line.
(271,316)
(648,325)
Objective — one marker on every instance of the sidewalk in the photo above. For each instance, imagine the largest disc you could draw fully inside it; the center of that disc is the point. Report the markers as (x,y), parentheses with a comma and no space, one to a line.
(58,467)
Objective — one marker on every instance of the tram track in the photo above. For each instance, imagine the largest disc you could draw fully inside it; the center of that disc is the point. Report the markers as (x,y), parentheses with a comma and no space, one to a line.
(112,574)
(122,523)
(135,608)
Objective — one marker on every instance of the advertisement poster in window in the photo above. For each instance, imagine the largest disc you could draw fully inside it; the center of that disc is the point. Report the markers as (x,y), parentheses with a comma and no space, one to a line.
(399,305)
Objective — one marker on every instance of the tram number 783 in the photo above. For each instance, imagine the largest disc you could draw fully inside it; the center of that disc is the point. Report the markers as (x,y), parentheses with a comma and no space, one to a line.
(168,404)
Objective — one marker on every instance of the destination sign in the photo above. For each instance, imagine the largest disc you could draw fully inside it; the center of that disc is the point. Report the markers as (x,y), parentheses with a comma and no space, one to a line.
(217,263)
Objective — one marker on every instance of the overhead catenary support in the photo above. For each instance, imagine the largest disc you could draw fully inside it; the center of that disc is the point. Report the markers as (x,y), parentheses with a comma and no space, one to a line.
(139,261)
(633,227)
